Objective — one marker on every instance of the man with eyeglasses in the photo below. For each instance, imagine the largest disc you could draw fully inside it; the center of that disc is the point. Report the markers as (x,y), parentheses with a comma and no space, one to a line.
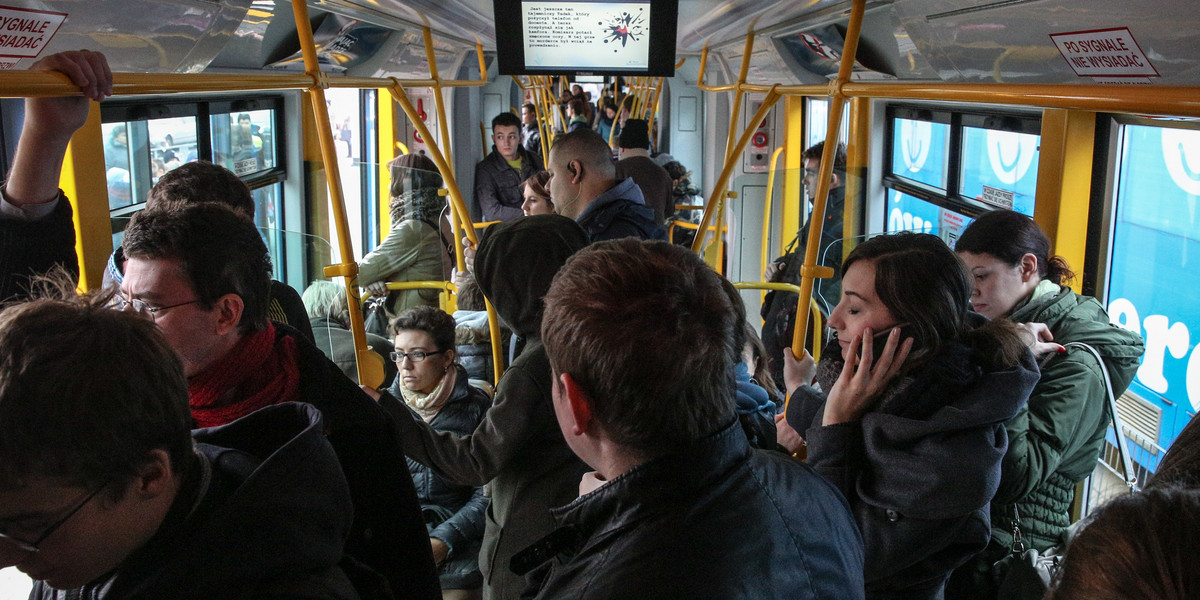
(104,494)
(201,272)
(499,175)
(779,308)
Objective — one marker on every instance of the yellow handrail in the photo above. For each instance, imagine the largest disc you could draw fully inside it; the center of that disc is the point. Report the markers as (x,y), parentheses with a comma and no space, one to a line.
(766,234)
(813,309)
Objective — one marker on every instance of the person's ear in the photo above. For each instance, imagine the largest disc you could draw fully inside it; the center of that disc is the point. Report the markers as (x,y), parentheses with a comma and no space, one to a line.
(579,404)
(835,180)
(229,310)
(576,169)
(155,476)
(1029,267)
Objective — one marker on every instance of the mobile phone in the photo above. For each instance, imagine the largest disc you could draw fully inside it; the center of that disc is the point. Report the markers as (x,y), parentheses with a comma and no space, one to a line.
(879,340)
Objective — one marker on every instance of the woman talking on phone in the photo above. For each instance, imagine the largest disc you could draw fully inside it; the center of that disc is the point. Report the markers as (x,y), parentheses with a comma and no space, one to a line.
(1053,441)
(910,422)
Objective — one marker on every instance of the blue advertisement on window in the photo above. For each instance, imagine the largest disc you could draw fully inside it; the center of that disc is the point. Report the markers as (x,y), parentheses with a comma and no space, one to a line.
(919,151)
(1153,288)
(999,168)
(906,213)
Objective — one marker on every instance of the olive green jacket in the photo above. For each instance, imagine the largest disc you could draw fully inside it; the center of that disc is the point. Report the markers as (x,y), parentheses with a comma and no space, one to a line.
(412,251)
(1055,440)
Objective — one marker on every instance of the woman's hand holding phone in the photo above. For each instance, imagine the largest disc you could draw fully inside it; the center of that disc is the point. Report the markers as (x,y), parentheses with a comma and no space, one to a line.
(865,375)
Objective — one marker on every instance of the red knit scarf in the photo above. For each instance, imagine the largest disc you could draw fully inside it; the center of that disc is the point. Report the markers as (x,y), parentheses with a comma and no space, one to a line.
(259,371)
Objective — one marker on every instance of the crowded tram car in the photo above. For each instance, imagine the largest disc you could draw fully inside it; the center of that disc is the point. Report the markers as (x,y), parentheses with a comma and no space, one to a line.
(381,141)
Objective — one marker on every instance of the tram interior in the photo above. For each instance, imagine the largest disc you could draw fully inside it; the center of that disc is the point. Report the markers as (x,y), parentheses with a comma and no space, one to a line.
(954,135)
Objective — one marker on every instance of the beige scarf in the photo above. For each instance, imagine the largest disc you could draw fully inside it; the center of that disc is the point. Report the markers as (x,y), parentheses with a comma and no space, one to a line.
(429,405)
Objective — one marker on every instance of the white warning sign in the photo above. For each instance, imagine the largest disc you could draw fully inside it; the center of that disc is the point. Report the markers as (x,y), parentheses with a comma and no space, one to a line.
(1104,53)
(25,32)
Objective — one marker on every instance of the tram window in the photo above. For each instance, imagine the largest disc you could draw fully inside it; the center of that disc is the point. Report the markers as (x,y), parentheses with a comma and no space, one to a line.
(119,163)
(999,168)
(243,141)
(1151,287)
(267,211)
(817,122)
(172,143)
(919,151)
(908,213)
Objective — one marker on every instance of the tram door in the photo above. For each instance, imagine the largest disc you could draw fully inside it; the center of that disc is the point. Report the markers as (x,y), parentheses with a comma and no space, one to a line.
(745,213)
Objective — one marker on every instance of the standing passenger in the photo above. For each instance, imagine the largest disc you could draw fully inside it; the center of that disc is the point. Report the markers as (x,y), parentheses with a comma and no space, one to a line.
(414,249)
(518,447)
(104,494)
(584,186)
(910,425)
(643,338)
(1054,441)
(201,272)
(434,387)
(537,195)
(36,229)
(654,181)
(499,175)
(531,136)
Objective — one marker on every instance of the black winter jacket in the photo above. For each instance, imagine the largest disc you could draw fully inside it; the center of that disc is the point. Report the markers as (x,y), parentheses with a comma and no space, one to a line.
(518,447)
(462,505)
(34,248)
(620,212)
(268,522)
(921,467)
(718,520)
(498,186)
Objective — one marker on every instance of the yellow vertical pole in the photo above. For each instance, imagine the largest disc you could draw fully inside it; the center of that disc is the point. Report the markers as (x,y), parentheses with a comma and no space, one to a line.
(438,101)
(727,172)
(810,270)
(1065,182)
(857,157)
(370,365)
(791,214)
(766,234)
(389,148)
(83,177)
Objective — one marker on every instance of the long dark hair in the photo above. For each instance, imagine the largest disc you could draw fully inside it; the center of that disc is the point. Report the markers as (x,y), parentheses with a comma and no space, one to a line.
(1009,235)
(924,285)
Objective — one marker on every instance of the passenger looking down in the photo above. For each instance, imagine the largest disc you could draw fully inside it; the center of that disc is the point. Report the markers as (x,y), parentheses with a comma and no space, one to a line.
(415,248)
(202,181)
(537,195)
(105,493)
(643,338)
(518,447)
(779,308)
(909,419)
(201,272)
(757,397)
(329,313)
(499,175)
(1054,440)
(653,180)
(605,120)
(435,389)
(584,187)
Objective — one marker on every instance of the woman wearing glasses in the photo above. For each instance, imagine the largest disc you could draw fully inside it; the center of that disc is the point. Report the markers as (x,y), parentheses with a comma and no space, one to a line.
(435,389)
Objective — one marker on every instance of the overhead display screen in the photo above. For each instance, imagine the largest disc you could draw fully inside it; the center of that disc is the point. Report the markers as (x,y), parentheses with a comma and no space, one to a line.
(586,37)
(607,36)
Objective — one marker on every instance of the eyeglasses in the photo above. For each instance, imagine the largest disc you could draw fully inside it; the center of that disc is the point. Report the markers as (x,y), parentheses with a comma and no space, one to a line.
(122,302)
(416,356)
(33,547)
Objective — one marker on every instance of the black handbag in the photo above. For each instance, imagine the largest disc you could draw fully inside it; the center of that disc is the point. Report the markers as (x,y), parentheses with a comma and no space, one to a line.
(375,316)
(1027,574)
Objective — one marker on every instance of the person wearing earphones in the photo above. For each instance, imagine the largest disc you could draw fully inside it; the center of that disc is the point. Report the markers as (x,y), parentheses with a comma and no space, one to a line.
(584,187)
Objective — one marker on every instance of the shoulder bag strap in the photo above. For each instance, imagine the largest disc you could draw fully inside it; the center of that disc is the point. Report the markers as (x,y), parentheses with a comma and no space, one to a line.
(1122,445)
